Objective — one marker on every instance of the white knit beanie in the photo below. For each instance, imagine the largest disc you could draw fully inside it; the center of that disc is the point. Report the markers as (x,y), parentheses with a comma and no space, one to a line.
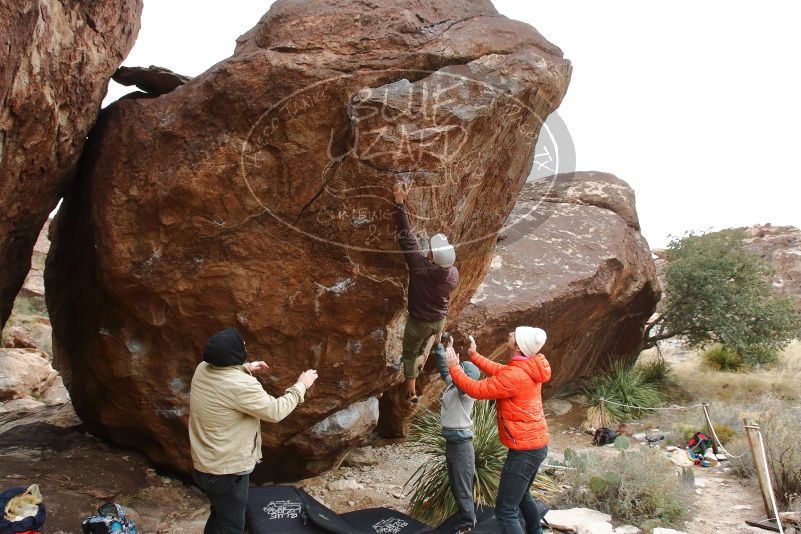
(442,252)
(529,339)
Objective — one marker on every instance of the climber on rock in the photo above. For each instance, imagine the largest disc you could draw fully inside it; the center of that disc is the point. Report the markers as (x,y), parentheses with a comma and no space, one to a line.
(432,279)
(226,407)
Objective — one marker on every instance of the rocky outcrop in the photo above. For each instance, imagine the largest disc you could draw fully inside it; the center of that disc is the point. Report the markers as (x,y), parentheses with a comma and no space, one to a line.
(258,195)
(34,281)
(780,246)
(152,80)
(572,261)
(18,337)
(55,62)
(24,373)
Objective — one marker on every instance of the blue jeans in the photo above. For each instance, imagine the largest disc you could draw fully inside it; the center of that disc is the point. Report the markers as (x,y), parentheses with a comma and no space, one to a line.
(514,498)
(461,461)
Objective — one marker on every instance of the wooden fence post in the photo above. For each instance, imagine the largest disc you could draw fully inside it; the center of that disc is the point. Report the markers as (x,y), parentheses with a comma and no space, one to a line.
(763,476)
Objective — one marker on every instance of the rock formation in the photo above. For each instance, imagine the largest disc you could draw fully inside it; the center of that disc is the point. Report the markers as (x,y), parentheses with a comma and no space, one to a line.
(152,80)
(780,246)
(55,62)
(258,195)
(24,373)
(33,286)
(571,260)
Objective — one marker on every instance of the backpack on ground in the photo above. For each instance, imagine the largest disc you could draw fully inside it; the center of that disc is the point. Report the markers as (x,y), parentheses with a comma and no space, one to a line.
(34,524)
(604,436)
(697,447)
(110,519)
(699,443)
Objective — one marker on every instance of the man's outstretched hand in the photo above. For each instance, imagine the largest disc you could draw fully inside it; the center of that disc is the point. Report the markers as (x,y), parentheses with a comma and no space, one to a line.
(256,366)
(401,191)
(451,358)
(307,378)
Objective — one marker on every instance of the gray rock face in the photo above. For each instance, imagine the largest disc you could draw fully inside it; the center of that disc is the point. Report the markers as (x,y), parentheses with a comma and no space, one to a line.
(574,263)
(55,62)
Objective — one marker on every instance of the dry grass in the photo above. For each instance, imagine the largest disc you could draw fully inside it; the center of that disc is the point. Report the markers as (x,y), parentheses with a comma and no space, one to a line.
(703,384)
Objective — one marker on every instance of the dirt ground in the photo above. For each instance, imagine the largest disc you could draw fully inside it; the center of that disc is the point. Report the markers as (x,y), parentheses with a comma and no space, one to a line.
(77,473)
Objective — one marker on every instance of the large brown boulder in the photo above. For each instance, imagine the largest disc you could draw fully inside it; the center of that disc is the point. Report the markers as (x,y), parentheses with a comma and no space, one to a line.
(56,57)
(573,262)
(258,195)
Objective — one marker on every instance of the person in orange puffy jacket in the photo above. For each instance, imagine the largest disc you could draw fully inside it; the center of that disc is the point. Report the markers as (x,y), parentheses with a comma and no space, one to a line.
(516,387)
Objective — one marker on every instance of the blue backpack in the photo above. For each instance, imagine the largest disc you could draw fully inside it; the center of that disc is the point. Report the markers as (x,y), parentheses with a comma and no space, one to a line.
(110,519)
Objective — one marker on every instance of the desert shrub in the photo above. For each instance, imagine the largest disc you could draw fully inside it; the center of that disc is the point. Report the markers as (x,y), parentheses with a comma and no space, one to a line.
(25,306)
(622,385)
(721,358)
(431,500)
(725,433)
(742,466)
(658,373)
(779,423)
(783,449)
(639,487)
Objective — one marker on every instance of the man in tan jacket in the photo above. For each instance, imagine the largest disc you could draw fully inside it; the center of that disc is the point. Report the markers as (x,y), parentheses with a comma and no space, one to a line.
(226,407)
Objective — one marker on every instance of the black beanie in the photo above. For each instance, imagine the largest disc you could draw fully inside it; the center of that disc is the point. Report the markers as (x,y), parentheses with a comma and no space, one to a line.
(225,348)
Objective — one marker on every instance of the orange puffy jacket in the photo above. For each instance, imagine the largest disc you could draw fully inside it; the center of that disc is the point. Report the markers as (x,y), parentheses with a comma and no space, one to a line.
(517,388)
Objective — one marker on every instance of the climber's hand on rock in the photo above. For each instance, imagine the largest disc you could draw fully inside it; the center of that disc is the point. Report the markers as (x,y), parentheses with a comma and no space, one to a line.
(256,366)
(307,378)
(451,358)
(401,191)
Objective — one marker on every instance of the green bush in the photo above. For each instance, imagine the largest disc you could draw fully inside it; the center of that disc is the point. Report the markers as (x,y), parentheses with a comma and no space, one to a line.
(718,292)
(636,487)
(721,358)
(657,373)
(431,500)
(623,385)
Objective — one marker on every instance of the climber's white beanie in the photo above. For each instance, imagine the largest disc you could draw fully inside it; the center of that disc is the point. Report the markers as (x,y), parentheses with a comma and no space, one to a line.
(529,339)
(442,252)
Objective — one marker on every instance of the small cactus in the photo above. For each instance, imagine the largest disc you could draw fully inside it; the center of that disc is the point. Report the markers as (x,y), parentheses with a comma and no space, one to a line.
(622,443)
(598,486)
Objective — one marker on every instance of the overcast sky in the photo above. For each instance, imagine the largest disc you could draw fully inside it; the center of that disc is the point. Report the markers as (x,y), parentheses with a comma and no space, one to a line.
(696,104)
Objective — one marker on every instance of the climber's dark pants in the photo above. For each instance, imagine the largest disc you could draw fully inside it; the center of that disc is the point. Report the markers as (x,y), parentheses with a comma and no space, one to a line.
(415,336)
(228,495)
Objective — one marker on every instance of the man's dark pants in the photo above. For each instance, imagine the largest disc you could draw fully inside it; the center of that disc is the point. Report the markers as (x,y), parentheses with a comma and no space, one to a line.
(514,496)
(461,460)
(228,495)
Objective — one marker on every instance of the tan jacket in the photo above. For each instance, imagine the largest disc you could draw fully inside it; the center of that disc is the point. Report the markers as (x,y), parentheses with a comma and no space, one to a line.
(226,406)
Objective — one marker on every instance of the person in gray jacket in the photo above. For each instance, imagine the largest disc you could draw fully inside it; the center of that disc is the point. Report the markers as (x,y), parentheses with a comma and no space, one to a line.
(457,428)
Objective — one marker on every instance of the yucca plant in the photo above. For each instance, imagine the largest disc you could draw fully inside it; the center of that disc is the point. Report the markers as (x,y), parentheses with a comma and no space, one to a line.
(623,385)
(722,358)
(431,500)
(658,373)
